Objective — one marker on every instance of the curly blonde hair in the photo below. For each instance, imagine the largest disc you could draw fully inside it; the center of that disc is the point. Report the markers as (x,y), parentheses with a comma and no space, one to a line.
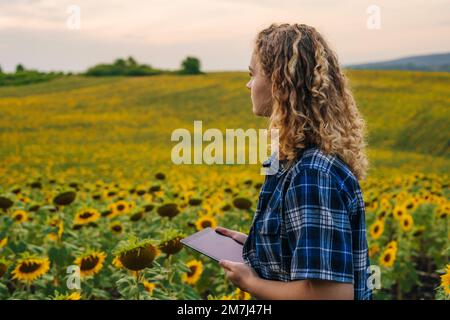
(312,103)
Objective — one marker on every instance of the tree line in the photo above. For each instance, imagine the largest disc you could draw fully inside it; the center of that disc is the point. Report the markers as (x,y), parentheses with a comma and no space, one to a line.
(120,67)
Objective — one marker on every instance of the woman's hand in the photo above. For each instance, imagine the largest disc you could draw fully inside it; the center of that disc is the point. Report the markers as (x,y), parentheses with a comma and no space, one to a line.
(238,236)
(240,274)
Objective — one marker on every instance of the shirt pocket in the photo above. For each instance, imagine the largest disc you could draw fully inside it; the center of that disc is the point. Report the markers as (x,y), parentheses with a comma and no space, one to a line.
(268,243)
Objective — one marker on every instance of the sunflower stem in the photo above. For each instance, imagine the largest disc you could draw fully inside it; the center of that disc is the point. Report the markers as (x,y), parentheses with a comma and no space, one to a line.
(137,285)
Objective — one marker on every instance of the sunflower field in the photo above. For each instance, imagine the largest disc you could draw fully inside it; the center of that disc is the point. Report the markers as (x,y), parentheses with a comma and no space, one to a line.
(91,206)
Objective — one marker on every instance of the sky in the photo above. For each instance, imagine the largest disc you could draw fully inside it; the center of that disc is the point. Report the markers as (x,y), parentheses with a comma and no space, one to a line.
(44,34)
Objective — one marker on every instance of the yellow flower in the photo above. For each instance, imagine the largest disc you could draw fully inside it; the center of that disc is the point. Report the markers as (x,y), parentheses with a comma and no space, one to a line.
(30,268)
(58,223)
(410,204)
(392,245)
(387,259)
(205,222)
(149,286)
(90,263)
(86,216)
(20,216)
(376,230)
(242,295)
(118,208)
(116,227)
(406,222)
(196,269)
(3,242)
(373,250)
(399,211)
(445,280)
(74,296)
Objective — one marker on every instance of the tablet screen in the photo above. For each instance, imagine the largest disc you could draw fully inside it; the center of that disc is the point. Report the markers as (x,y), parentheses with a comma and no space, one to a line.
(215,245)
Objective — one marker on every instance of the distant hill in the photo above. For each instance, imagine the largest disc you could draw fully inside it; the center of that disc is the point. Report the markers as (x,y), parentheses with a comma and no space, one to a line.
(431,62)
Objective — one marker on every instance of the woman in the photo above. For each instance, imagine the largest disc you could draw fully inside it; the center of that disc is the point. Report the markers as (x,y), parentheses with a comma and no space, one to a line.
(308,237)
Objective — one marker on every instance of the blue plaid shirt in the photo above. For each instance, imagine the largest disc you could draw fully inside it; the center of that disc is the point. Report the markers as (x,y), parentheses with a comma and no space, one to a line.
(310,224)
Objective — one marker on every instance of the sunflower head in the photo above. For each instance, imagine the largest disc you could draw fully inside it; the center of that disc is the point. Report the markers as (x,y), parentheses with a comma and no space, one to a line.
(242,203)
(65,198)
(149,286)
(373,250)
(242,295)
(30,268)
(58,224)
(68,296)
(392,245)
(206,221)
(168,210)
(20,216)
(86,216)
(5,203)
(137,216)
(3,242)
(90,263)
(116,227)
(135,254)
(399,211)
(170,243)
(387,259)
(406,222)
(194,273)
(376,229)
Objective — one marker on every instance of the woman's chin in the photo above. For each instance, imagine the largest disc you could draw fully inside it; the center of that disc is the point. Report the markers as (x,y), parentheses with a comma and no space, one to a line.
(258,112)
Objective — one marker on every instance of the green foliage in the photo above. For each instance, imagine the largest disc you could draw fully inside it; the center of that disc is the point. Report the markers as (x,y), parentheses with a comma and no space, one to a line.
(22,77)
(122,67)
(190,65)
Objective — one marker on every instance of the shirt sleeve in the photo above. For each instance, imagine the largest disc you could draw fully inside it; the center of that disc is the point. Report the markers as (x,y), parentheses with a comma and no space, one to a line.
(318,228)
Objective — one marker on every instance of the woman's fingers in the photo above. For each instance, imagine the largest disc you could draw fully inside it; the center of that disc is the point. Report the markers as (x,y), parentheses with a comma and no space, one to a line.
(224,231)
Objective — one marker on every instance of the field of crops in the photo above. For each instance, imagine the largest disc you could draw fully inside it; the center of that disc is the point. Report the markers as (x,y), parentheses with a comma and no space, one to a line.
(86,180)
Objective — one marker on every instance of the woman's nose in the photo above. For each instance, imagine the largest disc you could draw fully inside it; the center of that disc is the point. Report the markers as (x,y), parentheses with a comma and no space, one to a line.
(248,85)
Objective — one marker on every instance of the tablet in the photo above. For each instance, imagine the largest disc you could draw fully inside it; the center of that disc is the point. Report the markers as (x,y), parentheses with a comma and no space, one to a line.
(214,245)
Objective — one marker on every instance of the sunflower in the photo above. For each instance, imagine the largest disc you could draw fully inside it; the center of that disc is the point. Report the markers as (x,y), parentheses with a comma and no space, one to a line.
(411,204)
(442,211)
(90,263)
(373,250)
(168,210)
(116,263)
(419,231)
(399,211)
(20,216)
(205,222)
(149,286)
(116,227)
(3,242)
(171,245)
(122,207)
(242,295)
(56,223)
(376,230)
(406,222)
(445,280)
(135,254)
(72,296)
(195,271)
(242,203)
(387,259)
(392,245)
(29,268)
(86,216)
